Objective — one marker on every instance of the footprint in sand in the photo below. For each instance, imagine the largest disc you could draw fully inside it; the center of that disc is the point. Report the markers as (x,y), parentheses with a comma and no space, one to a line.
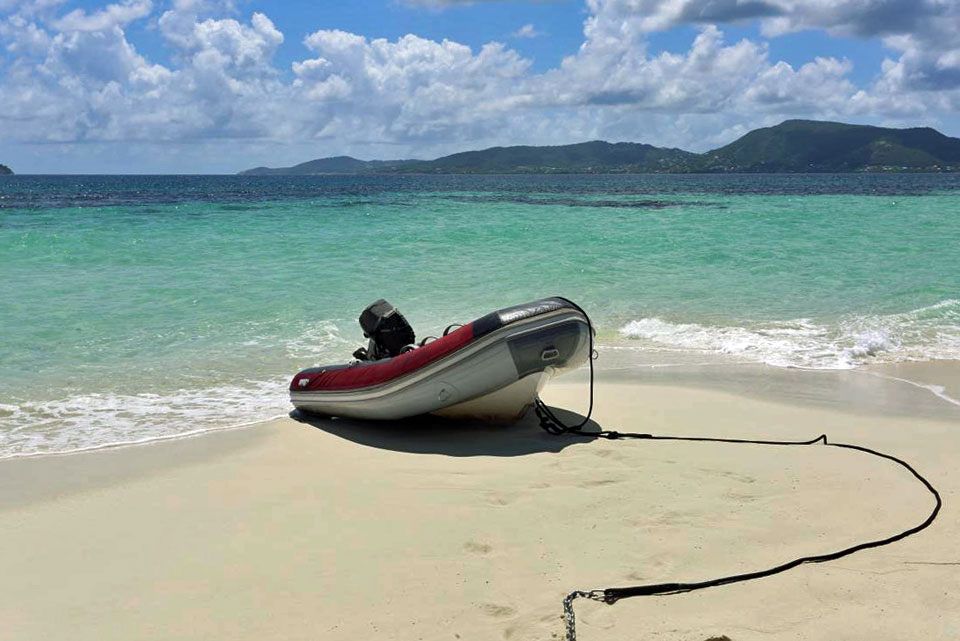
(614,457)
(497,611)
(477,548)
(499,499)
(598,482)
(730,475)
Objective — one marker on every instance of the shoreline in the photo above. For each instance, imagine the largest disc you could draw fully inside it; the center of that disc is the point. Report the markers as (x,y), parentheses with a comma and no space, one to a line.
(345,530)
(622,363)
(144,441)
(908,388)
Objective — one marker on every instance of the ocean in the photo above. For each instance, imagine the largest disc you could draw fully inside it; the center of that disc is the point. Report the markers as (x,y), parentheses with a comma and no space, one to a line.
(135,308)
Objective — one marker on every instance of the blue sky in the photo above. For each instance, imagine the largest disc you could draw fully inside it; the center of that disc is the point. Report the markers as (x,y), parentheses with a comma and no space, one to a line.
(201,86)
(470,24)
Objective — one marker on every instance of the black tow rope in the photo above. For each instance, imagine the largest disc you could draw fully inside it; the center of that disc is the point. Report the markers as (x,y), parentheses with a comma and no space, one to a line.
(553,425)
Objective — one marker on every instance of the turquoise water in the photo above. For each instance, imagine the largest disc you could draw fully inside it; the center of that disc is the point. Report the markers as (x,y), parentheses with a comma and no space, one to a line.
(134,308)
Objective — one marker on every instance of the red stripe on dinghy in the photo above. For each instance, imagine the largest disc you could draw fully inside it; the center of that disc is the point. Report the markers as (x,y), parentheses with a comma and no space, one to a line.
(362,376)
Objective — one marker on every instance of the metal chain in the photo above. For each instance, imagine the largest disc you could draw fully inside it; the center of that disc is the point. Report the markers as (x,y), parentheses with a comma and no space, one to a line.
(569,618)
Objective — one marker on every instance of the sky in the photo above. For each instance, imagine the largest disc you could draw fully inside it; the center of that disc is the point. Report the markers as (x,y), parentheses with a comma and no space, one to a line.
(217,86)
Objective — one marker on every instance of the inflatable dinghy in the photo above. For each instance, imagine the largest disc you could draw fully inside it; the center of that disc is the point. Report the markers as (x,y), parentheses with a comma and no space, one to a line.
(492,368)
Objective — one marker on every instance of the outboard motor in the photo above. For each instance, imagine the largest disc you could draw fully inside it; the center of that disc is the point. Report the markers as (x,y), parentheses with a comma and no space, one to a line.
(389,332)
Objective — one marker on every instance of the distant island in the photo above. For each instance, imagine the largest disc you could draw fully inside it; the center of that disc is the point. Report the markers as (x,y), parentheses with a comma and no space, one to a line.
(4,170)
(794,146)
(334,165)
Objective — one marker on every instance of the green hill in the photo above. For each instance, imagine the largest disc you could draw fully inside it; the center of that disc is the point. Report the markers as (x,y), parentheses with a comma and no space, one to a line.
(588,157)
(4,170)
(794,146)
(334,165)
(814,146)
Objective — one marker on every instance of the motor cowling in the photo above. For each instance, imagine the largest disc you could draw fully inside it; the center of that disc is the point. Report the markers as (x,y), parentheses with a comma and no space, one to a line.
(389,332)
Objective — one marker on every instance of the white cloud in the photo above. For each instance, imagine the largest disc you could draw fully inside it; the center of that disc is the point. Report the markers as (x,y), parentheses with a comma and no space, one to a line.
(850,17)
(112,15)
(925,31)
(408,90)
(820,86)
(709,77)
(527,31)
(77,78)
(224,42)
(29,8)
(865,18)
(92,56)
(24,38)
(659,15)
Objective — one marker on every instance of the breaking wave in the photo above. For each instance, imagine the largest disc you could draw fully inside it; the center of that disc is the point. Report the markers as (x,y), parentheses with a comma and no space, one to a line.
(91,421)
(928,333)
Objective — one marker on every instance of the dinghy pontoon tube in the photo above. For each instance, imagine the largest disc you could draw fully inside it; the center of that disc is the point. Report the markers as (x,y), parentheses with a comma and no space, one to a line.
(492,368)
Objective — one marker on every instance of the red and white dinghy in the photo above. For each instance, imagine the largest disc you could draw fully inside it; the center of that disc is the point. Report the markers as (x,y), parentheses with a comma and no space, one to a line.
(492,368)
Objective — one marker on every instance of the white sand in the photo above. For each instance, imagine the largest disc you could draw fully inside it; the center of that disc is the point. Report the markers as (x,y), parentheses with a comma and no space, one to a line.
(430,531)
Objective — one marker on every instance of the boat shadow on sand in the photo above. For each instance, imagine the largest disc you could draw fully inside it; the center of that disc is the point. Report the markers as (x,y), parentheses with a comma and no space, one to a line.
(434,435)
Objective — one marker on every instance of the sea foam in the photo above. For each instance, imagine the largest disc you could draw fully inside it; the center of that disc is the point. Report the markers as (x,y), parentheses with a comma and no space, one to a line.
(90,421)
(927,333)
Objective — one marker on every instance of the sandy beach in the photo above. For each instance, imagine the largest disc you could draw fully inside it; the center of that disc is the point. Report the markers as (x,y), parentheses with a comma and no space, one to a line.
(429,530)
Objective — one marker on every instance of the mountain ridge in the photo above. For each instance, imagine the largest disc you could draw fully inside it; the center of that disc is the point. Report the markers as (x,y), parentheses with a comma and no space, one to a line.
(818,146)
(793,146)
(331,165)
